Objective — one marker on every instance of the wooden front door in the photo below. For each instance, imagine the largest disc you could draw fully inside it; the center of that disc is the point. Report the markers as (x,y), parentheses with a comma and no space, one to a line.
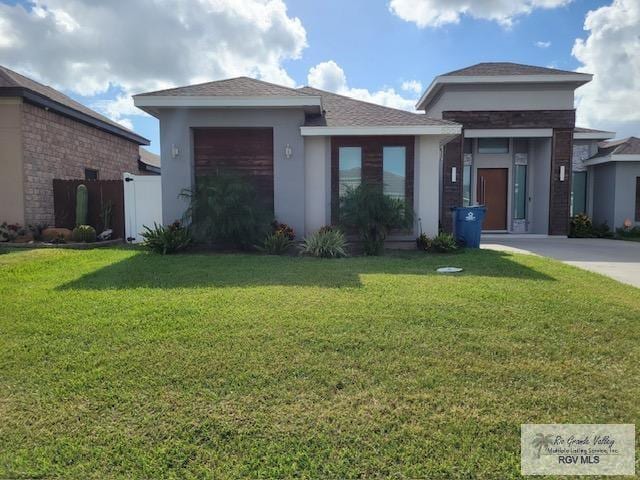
(492,193)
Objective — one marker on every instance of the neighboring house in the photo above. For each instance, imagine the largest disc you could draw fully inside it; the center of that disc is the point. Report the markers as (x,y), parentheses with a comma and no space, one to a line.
(613,176)
(45,135)
(501,134)
(148,163)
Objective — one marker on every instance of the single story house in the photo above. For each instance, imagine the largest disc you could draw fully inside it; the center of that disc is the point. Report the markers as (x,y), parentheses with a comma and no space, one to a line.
(613,188)
(499,134)
(45,135)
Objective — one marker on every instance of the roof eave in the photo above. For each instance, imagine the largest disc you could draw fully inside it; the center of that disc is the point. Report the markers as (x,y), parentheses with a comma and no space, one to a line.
(453,129)
(41,101)
(577,79)
(590,162)
(593,135)
(150,103)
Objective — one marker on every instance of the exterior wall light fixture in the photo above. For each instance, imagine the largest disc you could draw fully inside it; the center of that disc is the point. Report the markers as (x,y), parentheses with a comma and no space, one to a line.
(288,151)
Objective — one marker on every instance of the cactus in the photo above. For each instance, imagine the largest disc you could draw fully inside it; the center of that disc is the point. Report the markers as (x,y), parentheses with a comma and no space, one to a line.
(82,205)
(84,233)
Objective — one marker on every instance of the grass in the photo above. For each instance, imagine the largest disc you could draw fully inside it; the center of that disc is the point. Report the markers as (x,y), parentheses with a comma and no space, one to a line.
(117,363)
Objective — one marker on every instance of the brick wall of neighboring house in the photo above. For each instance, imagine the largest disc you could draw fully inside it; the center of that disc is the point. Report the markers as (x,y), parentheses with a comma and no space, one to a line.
(59,147)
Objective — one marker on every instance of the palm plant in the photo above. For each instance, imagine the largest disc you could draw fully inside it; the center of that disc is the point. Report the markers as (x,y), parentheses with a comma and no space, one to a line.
(373,214)
(541,441)
(225,209)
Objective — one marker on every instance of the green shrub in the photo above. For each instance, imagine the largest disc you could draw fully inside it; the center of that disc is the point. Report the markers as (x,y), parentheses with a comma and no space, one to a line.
(628,232)
(84,233)
(328,242)
(36,230)
(8,233)
(373,214)
(441,243)
(276,243)
(166,240)
(225,209)
(581,226)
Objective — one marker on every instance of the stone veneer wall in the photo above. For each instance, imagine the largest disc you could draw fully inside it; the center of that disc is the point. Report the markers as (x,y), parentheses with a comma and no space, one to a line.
(55,146)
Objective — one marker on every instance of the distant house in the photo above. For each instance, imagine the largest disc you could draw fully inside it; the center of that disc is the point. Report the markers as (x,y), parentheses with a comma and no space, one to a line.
(45,135)
(148,163)
(613,182)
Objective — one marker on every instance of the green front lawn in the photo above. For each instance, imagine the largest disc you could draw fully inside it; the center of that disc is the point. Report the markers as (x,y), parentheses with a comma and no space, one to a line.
(118,363)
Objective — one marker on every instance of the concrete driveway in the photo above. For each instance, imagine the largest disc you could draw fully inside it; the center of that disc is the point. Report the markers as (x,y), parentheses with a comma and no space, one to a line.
(617,259)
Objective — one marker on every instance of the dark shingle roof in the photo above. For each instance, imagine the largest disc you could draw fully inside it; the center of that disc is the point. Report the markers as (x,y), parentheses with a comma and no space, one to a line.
(626,146)
(488,69)
(13,80)
(341,111)
(232,87)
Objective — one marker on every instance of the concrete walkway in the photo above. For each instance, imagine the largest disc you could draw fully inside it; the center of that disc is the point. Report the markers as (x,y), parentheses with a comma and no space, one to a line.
(617,259)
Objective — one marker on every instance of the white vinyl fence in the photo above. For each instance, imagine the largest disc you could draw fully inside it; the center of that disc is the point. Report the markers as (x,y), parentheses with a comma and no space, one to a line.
(142,204)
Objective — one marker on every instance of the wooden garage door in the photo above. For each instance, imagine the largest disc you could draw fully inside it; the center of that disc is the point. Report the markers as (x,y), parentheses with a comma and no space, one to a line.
(243,151)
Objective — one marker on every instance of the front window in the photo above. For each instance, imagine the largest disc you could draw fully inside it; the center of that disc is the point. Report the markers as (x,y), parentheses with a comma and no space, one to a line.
(350,168)
(520,193)
(493,145)
(578,193)
(394,171)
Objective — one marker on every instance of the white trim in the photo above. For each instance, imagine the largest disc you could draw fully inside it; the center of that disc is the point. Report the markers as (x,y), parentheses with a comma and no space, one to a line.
(507,132)
(382,130)
(611,158)
(437,82)
(593,135)
(226,101)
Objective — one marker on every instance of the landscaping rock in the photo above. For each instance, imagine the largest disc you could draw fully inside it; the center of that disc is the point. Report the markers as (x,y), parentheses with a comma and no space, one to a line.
(106,235)
(49,234)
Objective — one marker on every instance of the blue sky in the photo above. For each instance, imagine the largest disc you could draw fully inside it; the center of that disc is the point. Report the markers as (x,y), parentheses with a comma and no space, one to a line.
(373,48)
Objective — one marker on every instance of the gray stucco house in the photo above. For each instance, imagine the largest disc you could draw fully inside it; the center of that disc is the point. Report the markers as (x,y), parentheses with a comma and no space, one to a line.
(500,134)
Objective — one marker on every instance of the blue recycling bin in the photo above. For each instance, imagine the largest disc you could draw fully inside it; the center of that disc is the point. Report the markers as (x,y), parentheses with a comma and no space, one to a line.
(468,225)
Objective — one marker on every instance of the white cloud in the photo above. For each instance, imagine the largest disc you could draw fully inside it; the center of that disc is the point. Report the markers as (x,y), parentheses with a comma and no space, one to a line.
(412,86)
(541,44)
(126,123)
(331,77)
(90,47)
(435,13)
(610,52)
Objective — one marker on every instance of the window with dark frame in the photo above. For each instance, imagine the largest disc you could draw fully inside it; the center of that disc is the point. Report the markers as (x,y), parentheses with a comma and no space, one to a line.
(90,174)
(394,171)
(493,145)
(349,168)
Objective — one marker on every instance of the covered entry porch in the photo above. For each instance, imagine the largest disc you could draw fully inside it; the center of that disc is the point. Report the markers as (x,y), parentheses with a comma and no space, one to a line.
(510,172)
